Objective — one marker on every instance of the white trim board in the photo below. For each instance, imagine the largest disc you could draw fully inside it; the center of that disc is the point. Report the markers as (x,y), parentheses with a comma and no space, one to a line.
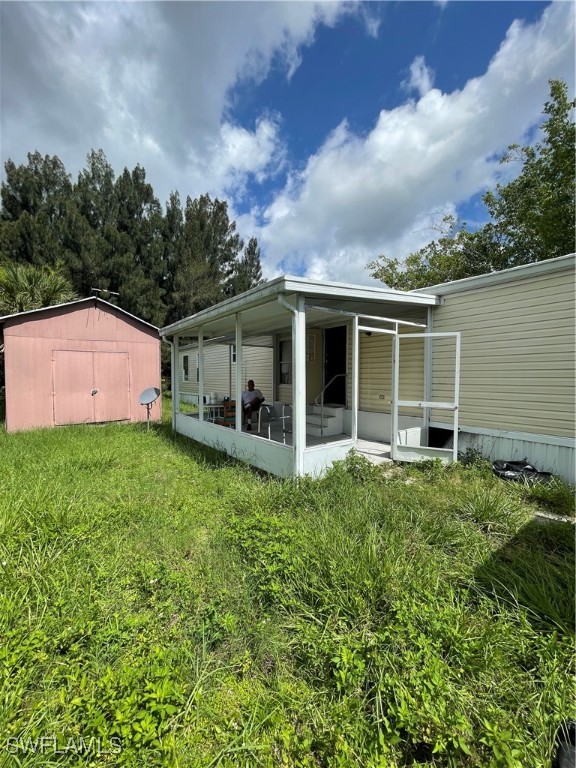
(504,276)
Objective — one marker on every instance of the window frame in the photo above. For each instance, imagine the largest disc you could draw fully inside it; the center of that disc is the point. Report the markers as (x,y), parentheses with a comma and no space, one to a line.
(285,363)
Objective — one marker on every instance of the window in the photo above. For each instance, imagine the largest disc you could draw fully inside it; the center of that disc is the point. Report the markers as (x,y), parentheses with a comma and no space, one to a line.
(310,348)
(197,367)
(233,353)
(185,368)
(285,360)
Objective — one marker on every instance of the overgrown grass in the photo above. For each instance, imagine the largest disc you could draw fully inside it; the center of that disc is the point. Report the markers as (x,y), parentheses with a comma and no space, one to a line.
(157,593)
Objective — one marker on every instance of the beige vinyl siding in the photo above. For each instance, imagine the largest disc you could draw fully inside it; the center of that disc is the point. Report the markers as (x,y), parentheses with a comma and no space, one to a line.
(216,377)
(284,393)
(314,363)
(375,372)
(517,361)
(257,364)
(215,370)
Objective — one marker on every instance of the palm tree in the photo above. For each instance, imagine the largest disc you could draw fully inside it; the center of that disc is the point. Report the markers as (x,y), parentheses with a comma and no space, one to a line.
(24,287)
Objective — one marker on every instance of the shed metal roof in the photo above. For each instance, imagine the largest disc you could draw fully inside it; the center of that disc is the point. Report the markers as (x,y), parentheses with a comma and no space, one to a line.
(96,300)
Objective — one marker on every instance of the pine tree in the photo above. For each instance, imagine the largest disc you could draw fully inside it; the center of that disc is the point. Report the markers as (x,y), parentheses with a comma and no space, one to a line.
(248,272)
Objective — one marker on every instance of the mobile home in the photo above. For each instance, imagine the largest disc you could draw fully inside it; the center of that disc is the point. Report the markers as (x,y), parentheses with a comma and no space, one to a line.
(485,363)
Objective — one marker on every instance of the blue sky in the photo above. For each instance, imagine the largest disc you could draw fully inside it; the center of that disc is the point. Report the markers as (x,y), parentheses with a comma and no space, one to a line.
(347,74)
(336,131)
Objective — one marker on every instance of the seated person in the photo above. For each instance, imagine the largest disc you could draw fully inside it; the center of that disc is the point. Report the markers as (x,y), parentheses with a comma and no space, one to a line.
(252,399)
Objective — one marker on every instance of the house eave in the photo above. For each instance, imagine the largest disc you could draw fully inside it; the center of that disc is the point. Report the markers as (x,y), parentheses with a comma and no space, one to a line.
(503,276)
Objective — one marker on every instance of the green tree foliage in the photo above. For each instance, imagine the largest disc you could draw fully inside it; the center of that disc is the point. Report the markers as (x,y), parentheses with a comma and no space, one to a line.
(24,287)
(112,234)
(535,213)
(209,251)
(249,271)
(34,199)
(456,254)
(532,217)
(40,186)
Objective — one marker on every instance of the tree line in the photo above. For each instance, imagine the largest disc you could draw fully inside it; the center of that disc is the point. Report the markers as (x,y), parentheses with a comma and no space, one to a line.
(164,264)
(531,217)
(113,234)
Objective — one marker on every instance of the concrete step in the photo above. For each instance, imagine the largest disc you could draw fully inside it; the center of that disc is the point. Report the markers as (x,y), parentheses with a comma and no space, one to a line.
(315,430)
(329,410)
(315,418)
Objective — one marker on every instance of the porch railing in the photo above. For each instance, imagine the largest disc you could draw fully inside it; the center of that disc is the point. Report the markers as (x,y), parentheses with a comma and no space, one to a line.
(320,396)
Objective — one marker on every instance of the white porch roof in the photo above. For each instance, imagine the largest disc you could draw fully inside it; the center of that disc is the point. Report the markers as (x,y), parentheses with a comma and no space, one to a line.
(267,313)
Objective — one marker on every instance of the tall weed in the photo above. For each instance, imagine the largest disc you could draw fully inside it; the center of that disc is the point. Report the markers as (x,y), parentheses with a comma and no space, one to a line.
(159,593)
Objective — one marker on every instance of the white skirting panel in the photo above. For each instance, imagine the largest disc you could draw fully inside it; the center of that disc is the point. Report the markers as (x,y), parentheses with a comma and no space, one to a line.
(265,454)
(378,426)
(559,459)
(319,459)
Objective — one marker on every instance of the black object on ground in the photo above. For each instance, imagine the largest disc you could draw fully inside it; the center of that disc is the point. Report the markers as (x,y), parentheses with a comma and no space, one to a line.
(519,471)
(565,746)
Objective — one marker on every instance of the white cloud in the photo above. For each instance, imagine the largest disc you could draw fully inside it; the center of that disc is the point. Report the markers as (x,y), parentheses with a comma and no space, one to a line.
(421,77)
(371,18)
(150,83)
(359,196)
(234,155)
(154,83)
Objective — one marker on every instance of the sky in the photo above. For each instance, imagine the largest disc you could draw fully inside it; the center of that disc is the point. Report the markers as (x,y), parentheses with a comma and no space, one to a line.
(336,131)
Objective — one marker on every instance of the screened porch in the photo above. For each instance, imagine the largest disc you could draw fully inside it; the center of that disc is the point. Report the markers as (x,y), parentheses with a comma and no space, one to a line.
(320,399)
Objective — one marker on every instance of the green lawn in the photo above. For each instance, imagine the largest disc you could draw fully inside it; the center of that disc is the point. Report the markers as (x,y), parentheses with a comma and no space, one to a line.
(164,606)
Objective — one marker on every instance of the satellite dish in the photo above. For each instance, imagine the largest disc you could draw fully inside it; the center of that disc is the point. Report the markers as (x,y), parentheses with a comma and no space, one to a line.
(147,398)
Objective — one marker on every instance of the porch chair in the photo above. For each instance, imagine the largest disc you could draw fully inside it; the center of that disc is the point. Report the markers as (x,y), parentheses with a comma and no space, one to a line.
(228,418)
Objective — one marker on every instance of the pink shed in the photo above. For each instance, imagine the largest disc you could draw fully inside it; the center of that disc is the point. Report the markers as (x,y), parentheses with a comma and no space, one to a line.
(82,362)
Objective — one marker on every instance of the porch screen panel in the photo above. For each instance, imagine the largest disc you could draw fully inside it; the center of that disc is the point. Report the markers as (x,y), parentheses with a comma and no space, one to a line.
(411,384)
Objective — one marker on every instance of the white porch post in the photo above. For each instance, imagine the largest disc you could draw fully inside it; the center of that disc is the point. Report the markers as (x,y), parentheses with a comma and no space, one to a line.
(175,364)
(428,368)
(456,397)
(299,385)
(275,367)
(395,388)
(239,379)
(355,359)
(200,374)
(230,370)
